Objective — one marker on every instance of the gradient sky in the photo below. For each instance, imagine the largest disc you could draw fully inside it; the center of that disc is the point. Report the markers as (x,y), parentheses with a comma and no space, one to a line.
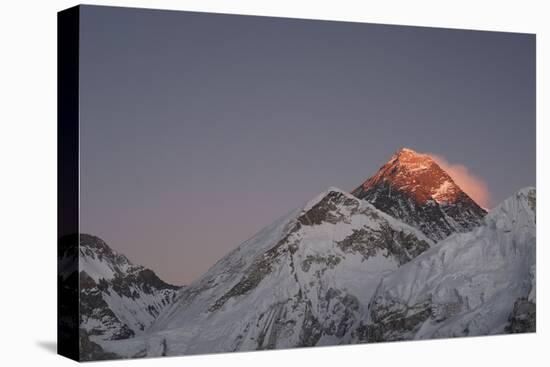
(199,129)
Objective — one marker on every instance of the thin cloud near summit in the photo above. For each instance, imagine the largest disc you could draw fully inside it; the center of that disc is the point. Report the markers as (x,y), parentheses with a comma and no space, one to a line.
(472,184)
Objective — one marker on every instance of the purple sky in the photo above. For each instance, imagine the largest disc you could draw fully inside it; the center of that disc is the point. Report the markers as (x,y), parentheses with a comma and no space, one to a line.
(197,130)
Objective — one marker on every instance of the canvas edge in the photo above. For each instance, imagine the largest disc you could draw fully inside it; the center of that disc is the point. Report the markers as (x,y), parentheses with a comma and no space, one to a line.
(68,39)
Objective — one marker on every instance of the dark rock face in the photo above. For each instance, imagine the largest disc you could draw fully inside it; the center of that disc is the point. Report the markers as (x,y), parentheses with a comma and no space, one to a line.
(436,221)
(394,321)
(414,189)
(90,351)
(523,318)
(329,261)
(93,306)
(532,200)
(398,244)
(329,209)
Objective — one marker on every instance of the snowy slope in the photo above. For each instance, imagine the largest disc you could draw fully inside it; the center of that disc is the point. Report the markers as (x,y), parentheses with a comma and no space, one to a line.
(303,281)
(117,298)
(476,283)
(413,188)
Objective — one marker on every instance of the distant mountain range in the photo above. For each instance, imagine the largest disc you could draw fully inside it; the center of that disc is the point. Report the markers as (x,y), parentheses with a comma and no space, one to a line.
(407,255)
(118,300)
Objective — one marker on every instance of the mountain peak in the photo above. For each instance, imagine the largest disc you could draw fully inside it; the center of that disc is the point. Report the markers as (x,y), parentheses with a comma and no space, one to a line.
(418,175)
(413,187)
(331,190)
(408,160)
(407,151)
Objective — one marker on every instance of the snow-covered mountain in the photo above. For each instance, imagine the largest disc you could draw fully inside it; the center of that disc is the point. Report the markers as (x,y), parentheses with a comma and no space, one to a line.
(303,281)
(476,283)
(413,188)
(118,299)
(417,259)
